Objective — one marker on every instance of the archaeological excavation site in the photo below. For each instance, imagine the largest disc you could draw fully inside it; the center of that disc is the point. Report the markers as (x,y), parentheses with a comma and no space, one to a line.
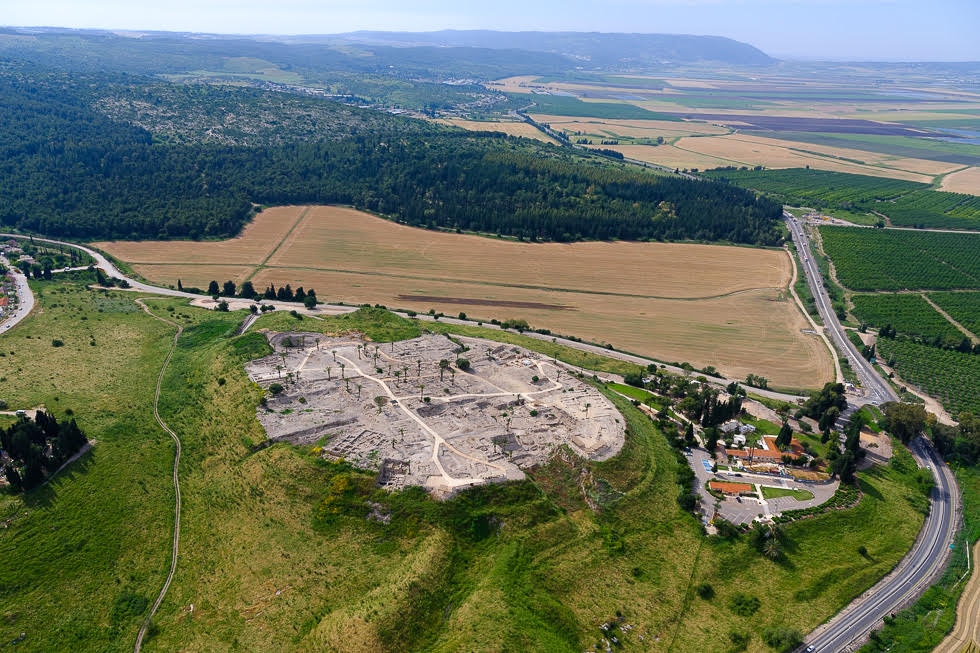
(441,413)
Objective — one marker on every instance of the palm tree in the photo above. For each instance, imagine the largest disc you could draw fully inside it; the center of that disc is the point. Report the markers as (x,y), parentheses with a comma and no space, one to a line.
(419,361)
(443,365)
(771,549)
(452,372)
(421,390)
(359,351)
(342,366)
(334,352)
(358,391)
(587,407)
(328,372)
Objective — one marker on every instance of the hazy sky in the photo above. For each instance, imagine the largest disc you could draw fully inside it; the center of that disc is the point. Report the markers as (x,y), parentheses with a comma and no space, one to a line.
(829,29)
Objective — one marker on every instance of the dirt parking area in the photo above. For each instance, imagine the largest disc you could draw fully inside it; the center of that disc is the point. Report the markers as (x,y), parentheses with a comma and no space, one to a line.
(419,415)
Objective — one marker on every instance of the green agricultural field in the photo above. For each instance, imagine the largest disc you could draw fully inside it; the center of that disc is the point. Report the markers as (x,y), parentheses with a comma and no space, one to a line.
(276,552)
(854,197)
(820,186)
(908,314)
(876,259)
(776,492)
(933,209)
(964,307)
(950,376)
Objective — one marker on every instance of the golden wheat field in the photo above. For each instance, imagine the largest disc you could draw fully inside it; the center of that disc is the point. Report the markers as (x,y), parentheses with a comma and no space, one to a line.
(705,304)
(511,128)
(964,181)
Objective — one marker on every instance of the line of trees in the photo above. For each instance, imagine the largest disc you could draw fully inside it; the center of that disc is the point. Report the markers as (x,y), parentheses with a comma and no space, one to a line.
(247,291)
(36,448)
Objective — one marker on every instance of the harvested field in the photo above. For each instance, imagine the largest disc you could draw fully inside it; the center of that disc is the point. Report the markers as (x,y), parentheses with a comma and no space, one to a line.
(671,156)
(259,239)
(776,153)
(964,181)
(640,297)
(191,275)
(510,128)
(470,301)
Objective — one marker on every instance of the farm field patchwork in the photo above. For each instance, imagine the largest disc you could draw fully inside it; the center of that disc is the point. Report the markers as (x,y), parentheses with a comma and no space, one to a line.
(638,296)
(908,314)
(888,259)
(777,153)
(629,129)
(950,376)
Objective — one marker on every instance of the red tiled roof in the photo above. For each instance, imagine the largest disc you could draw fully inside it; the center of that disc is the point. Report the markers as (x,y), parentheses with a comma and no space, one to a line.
(730,488)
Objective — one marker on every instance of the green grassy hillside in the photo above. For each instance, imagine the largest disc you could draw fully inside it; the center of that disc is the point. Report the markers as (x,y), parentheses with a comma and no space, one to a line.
(276,552)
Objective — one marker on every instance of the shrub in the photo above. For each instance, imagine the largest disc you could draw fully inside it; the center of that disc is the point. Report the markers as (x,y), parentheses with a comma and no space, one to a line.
(705,591)
(745,605)
(463,364)
(57,343)
(275,388)
(782,638)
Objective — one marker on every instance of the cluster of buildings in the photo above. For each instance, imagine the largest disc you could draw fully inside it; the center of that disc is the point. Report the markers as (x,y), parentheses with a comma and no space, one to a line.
(761,452)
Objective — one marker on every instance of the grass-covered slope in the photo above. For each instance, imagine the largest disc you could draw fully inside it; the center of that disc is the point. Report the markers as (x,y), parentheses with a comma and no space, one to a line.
(276,552)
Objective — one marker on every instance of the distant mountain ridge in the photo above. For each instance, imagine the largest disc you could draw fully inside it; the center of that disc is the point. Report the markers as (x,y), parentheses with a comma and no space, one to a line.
(603,49)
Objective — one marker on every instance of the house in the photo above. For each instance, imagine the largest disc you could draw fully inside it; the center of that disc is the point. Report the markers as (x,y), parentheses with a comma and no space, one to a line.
(734,426)
(739,440)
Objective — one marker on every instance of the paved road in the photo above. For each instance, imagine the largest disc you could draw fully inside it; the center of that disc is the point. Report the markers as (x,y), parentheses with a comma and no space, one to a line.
(928,555)
(25,298)
(878,390)
(912,576)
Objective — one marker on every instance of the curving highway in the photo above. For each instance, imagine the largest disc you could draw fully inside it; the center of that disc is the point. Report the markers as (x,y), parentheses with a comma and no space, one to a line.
(928,555)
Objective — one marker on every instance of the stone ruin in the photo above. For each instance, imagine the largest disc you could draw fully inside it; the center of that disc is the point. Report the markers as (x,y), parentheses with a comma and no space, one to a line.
(393,408)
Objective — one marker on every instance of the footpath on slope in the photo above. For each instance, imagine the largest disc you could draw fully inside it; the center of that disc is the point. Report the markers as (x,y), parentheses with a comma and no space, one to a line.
(144,627)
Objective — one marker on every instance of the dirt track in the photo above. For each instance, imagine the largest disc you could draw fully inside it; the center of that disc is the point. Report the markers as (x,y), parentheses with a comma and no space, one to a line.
(967,628)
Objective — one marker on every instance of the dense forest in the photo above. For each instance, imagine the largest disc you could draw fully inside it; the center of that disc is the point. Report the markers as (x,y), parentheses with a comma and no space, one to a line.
(68,169)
